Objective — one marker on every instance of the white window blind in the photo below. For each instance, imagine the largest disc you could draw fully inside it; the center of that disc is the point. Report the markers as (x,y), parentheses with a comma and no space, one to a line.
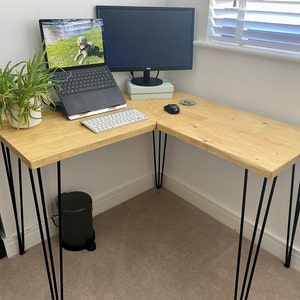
(262,23)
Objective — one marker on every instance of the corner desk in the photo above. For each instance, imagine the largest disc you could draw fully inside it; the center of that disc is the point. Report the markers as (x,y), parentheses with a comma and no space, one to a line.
(255,143)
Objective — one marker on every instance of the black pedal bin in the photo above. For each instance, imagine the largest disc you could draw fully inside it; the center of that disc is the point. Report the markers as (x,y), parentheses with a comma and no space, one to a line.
(77,222)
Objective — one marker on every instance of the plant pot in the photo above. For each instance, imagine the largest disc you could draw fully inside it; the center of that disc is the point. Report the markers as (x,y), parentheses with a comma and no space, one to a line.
(34,118)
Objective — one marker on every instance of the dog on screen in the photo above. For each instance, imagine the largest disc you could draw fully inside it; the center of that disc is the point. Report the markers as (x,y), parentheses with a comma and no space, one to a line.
(85,48)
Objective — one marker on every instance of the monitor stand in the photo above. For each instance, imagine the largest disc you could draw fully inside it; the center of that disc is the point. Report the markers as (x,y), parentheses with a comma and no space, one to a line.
(146,80)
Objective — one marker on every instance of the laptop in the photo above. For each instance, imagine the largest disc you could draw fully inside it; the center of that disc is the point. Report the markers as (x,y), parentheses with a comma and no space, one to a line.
(75,50)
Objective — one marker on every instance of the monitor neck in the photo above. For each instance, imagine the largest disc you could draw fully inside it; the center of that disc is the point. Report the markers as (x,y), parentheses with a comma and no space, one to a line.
(146,80)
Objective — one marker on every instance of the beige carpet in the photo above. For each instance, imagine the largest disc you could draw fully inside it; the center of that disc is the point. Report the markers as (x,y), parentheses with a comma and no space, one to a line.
(154,246)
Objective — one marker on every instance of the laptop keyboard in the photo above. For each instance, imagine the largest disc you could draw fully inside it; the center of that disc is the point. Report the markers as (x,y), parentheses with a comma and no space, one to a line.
(114,120)
(84,80)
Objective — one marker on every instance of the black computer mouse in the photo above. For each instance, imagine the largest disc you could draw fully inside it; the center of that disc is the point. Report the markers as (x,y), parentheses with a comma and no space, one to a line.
(172,109)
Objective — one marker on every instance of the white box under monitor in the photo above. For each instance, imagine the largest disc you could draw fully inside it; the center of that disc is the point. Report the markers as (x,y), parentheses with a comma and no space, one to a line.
(163,91)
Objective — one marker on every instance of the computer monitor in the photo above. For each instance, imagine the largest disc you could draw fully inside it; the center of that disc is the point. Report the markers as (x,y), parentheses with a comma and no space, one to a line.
(147,39)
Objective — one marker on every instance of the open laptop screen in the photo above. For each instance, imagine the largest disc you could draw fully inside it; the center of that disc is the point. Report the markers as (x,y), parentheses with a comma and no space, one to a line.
(71,43)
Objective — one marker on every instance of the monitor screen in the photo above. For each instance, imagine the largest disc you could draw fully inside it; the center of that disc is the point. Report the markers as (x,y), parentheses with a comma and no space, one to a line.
(147,39)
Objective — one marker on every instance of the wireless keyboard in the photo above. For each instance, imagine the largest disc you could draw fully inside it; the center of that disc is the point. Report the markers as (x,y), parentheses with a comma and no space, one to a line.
(114,120)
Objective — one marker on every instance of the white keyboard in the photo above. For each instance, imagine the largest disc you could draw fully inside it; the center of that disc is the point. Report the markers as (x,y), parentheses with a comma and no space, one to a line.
(114,120)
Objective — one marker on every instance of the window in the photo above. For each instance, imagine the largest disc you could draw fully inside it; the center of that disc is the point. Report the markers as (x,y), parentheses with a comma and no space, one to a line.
(261,23)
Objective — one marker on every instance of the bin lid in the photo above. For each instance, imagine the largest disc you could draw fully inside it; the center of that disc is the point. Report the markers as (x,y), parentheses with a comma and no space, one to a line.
(75,201)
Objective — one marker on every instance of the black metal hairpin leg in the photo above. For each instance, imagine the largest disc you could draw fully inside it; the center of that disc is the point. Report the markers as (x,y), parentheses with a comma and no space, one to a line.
(48,253)
(160,164)
(60,230)
(249,276)
(290,242)
(9,174)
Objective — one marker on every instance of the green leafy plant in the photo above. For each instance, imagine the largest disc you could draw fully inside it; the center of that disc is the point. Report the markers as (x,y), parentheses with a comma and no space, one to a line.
(23,81)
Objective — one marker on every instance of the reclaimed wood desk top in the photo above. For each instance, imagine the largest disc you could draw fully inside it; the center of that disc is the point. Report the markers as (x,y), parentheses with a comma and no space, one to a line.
(57,138)
(254,142)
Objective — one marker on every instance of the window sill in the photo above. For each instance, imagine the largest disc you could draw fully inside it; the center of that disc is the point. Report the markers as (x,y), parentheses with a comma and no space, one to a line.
(262,52)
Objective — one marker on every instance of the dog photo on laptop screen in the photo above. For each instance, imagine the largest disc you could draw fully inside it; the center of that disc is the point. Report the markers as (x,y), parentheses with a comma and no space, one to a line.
(80,42)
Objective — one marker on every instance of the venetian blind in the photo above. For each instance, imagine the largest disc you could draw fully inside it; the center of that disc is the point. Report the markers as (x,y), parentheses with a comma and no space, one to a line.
(261,23)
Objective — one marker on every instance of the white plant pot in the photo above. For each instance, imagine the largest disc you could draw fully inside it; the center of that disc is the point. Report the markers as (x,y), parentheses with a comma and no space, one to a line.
(35,118)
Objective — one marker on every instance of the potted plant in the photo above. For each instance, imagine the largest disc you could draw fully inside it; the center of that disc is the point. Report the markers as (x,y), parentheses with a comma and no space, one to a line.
(24,88)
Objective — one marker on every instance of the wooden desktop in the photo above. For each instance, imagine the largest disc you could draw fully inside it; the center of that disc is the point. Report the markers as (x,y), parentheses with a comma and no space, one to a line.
(256,143)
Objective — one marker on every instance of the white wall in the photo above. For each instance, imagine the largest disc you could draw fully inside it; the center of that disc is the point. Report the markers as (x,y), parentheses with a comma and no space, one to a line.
(262,84)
